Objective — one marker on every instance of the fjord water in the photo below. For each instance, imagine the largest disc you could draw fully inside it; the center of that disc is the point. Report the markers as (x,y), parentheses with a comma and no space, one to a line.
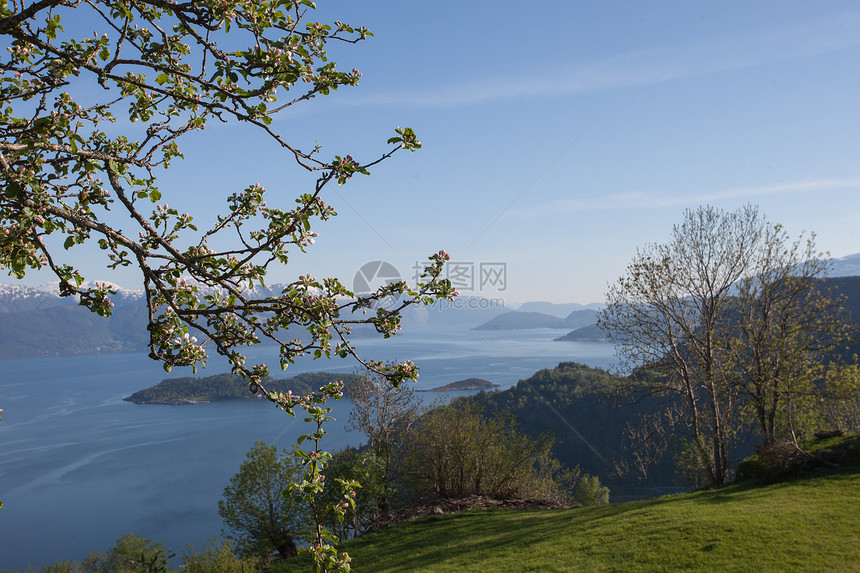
(79,467)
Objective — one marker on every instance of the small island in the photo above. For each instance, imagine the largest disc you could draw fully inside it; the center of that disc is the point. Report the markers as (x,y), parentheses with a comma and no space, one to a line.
(220,387)
(467,384)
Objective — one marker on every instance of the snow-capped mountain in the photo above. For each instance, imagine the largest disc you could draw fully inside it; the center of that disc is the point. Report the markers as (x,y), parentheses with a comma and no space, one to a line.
(16,298)
(19,297)
(38,322)
(124,294)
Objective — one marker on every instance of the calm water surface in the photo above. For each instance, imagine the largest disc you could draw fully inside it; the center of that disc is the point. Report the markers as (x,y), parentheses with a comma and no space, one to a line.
(79,467)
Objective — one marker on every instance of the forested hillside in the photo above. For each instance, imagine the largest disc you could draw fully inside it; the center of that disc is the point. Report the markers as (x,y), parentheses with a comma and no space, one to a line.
(568,401)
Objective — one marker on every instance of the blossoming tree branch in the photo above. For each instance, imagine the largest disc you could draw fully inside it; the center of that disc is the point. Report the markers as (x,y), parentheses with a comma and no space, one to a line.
(163,69)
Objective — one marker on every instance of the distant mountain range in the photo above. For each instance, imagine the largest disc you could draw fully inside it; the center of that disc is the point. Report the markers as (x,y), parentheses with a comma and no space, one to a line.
(517,319)
(845,286)
(38,322)
(845,267)
(561,310)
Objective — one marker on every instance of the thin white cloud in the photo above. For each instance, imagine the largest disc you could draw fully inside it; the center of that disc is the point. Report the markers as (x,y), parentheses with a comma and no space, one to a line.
(644,67)
(645,200)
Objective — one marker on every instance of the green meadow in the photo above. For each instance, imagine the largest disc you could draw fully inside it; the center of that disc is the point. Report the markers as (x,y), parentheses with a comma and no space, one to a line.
(810,524)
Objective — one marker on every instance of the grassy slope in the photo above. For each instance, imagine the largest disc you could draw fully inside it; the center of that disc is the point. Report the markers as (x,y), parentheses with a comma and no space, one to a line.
(802,525)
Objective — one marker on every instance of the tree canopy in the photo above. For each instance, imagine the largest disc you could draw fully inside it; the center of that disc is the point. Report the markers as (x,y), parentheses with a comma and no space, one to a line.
(257,513)
(131,554)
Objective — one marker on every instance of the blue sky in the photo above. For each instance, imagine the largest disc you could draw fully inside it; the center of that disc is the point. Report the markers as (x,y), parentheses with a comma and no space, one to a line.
(560,136)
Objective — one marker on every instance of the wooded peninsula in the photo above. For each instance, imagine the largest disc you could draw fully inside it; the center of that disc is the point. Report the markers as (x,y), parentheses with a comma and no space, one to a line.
(220,387)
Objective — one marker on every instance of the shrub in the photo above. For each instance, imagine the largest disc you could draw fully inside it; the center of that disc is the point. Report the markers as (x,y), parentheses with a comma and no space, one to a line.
(131,554)
(218,557)
(456,452)
(589,491)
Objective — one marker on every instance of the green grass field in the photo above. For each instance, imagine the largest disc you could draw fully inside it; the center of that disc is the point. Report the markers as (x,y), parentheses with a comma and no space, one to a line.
(810,524)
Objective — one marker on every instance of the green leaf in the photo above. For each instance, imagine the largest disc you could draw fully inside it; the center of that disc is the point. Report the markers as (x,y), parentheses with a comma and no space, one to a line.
(161,79)
(12,190)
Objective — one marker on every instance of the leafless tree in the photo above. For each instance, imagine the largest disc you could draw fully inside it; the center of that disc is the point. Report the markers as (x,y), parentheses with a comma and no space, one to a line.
(383,413)
(728,322)
(665,314)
